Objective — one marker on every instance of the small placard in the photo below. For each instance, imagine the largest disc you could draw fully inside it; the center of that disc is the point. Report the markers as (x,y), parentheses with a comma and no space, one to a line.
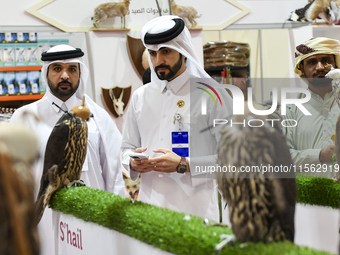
(180,143)
(181,151)
(180,137)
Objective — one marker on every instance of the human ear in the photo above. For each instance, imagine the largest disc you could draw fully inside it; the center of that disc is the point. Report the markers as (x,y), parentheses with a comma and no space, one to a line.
(302,69)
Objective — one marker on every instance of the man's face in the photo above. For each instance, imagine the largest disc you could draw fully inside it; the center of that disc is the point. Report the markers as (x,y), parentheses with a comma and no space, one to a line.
(316,67)
(167,63)
(63,79)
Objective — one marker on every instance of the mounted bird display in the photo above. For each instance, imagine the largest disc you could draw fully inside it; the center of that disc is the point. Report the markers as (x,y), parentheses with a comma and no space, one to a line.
(64,156)
(111,10)
(328,10)
(18,153)
(261,204)
(187,13)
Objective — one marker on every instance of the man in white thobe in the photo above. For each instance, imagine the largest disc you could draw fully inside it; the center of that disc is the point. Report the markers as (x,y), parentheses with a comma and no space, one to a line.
(66,75)
(161,112)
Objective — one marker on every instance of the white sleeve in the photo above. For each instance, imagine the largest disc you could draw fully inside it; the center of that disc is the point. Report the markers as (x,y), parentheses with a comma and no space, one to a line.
(131,138)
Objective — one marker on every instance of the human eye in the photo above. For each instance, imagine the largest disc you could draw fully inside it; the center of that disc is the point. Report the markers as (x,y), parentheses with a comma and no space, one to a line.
(311,62)
(152,53)
(326,60)
(166,51)
(56,68)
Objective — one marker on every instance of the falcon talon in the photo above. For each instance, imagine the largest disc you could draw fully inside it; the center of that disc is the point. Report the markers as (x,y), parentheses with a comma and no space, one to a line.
(242,245)
(226,239)
(76,183)
(206,222)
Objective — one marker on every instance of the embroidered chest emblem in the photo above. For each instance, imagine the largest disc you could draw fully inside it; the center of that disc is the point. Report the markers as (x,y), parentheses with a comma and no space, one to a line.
(180,103)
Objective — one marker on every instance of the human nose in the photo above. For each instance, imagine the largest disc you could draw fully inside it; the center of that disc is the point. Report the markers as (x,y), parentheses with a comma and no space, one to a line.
(64,75)
(159,60)
(319,66)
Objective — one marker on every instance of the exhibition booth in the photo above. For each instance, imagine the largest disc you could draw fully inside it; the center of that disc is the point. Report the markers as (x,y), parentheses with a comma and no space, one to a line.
(261,42)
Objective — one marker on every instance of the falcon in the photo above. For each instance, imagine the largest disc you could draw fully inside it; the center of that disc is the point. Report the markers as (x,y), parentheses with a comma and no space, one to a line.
(64,156)
(18,152)
(261,204)
(334,74)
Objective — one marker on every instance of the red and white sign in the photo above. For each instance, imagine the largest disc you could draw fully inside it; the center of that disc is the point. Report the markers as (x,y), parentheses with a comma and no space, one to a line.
(77,237)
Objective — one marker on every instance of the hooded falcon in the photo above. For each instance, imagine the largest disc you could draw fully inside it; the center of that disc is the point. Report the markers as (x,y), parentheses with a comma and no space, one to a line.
(261,204)
(64,156)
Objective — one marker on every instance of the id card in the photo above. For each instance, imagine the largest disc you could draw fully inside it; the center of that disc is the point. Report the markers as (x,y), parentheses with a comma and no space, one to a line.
(180,143)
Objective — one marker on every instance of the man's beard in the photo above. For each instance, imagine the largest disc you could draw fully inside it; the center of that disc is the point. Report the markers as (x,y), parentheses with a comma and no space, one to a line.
(319,81)
(172,70)
(61,93)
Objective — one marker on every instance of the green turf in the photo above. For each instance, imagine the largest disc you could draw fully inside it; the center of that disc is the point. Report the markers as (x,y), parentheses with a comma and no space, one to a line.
(171,231)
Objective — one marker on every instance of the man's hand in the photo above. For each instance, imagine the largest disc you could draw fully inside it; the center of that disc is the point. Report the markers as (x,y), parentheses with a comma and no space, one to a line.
(166,163)
(141,166)
(327,153)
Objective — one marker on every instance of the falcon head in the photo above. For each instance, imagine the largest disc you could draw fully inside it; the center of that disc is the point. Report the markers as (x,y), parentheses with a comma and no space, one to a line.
(81,111)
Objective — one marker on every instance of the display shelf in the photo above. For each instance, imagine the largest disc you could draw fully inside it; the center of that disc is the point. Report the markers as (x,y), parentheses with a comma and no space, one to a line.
(195,28)
(221,68)
(20,68)
(20,98)
(109,29)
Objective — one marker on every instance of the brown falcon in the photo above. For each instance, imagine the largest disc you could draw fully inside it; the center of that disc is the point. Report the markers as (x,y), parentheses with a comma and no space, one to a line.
(18,152)
(261,205)
(64,156)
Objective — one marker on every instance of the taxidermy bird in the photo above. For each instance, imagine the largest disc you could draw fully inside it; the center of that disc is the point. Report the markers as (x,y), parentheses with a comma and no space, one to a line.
(187,13)
(328,10)
(261,204)
(64,156)
(18,152)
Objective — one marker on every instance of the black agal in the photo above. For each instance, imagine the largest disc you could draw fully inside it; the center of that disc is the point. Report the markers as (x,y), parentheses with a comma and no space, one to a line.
(166,35)
(51,56)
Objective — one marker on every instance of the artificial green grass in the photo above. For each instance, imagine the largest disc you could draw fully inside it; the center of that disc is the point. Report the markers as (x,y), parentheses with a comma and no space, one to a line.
(318,191)
(159,227)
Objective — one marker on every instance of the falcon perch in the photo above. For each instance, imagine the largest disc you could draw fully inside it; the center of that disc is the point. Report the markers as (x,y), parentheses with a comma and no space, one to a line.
(64,156)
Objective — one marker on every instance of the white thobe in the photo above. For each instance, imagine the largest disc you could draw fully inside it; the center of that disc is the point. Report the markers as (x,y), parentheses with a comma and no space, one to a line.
(149,123)
(312,132)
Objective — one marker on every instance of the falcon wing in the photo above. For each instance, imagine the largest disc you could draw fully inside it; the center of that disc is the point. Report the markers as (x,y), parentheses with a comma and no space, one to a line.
(55,148)
(284,188)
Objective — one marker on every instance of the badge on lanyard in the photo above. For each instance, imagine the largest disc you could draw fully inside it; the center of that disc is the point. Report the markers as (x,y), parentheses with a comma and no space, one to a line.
(180,139)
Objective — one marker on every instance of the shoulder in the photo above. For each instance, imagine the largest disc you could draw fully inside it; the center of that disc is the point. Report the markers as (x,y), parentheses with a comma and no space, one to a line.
(146,89)
(96,109)
(293,109)
(32,107)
